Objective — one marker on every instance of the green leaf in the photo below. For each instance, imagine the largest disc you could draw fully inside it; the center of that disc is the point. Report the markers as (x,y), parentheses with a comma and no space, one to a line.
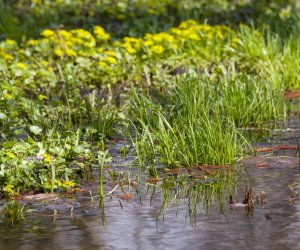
(78,149)
(35,129)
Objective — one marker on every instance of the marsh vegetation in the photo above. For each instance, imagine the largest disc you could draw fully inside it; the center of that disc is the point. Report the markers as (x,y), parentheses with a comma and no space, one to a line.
(131,98)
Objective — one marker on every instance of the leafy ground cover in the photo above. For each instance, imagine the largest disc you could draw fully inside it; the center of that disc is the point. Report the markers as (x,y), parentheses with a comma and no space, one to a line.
(182,93)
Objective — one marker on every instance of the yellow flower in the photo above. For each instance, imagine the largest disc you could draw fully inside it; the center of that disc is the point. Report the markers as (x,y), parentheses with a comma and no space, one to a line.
(176,31)
(148,43)
(188,23)
(101,34)
(65,34)
(32,42)
(131,50)
(110,53)
(71,52)
(100,50)
(8,96)
(48,33)
(157,49)
(46,158)
(11,42)
(11,155)
(59,183)
(9,189)
(68,184)
(163,37)
(7,57)
(194,37)
(89,44)
(111,60)
(102,64)
(58,52)
(21,65)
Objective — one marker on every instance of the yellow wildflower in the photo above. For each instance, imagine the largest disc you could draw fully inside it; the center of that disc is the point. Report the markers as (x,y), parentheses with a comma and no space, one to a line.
(32,42)
(157,49)
(129,48)
(48,33)
(188,23)
(7,57)
(58,52)
(100,50)
(65,34)
(11,155)
(68,184)
(163,37)
(102,64)
(148,43)
(9,189)
(59,183)
(194,37)
(110,53)
(101,34)
(21,65)
(89,44)
(111,60)
(71,52)
(10,42)
(8,96)
(46,158)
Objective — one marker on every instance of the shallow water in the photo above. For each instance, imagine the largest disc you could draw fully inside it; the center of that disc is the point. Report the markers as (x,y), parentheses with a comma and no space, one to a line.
(186,222)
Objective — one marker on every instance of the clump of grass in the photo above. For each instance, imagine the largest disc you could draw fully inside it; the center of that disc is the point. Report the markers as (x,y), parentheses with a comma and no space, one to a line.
(191,134)
(249,100)
(191,141)
(198,122)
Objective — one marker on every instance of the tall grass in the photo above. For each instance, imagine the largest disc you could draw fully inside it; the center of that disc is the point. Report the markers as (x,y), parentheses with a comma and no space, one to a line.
(198,122)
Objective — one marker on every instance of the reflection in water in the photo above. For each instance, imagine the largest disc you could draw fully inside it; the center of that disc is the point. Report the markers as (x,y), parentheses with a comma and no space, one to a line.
(177,217)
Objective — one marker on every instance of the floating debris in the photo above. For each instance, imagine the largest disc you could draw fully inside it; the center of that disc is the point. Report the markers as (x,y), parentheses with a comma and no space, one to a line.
(280,147)
(125,196)
(293,194)
(39,197)
(262,165)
